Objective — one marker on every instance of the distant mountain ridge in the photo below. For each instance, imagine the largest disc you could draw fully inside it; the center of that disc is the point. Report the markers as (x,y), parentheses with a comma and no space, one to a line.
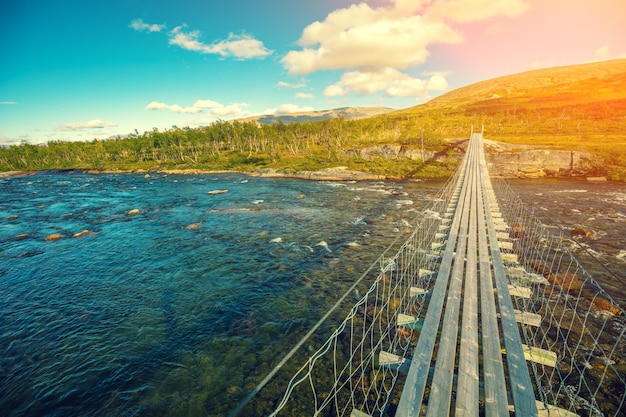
(311,116)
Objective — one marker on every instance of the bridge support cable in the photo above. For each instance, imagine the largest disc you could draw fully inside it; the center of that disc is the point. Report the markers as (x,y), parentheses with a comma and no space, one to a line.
(482,311)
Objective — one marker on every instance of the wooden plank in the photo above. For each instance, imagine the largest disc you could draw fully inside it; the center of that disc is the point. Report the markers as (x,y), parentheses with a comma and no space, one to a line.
(358,413)
(505,245)
(538,355)
(510,258)
(410,401)
(409,322)
(436,246)
(526,317)
(519,376)
(501,227)
(542,356)
(443,377)
(522,292)
(467,390)
(415,291)
(393,362)
(547,410)
(493,369)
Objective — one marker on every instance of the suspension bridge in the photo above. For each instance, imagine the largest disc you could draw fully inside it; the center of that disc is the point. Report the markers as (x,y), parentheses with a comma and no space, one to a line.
(482,311)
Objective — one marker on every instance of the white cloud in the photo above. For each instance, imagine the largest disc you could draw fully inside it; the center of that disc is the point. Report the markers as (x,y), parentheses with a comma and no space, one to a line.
(92,124)
(388,80)
(288,108)
(374,44)
(284,84)
(238,46)
(305,95)
(364,37)
(7,103)
(213,107)
(604,53)
(156,105)
(140,26)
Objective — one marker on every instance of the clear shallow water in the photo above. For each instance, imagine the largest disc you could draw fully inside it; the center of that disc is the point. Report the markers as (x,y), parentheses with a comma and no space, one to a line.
(147,316)
(182,308)
(577,206)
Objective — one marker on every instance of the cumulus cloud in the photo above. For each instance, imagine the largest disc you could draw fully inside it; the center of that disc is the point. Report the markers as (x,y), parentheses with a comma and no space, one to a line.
(376,44)
(140,26)
(604,53)
(156,105)
(237,46)
(91,124)
(363,37)
(388,80)
(213,107)
(284,84)
(305,95)
(218,109)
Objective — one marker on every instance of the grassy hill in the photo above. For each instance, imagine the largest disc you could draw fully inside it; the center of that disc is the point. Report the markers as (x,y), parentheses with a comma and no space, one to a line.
(579,107)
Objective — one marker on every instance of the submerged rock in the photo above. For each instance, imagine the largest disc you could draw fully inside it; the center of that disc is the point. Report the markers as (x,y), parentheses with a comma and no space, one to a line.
(581,231)
(54,236)
(81,234)
(193,226)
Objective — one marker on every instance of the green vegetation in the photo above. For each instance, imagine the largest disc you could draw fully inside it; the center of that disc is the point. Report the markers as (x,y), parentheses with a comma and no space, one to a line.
(237,146)
(579,107)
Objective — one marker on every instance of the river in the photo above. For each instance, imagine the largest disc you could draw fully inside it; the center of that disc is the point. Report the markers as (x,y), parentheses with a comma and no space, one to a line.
(171,300)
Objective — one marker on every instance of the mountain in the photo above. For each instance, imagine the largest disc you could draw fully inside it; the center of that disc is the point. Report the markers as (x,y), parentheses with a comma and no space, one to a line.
(574,108)
(343,112)
(588,87)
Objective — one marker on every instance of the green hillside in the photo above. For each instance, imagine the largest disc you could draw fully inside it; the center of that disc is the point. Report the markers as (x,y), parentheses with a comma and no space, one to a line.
(581,107)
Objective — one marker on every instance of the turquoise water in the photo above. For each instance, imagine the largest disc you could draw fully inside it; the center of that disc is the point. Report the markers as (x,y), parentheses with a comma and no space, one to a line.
(182,308)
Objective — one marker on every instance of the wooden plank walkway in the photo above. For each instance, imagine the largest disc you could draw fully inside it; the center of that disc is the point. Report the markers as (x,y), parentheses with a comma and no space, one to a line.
(485,360)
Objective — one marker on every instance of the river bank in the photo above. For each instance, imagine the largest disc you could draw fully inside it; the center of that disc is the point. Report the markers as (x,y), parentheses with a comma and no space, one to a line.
(339,173)
(326,174)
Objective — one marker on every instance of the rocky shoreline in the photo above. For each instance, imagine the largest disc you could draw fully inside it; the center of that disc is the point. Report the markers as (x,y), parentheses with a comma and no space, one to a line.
(326,174)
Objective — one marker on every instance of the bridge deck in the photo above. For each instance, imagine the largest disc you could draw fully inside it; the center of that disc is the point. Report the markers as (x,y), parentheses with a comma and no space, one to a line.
(465,367)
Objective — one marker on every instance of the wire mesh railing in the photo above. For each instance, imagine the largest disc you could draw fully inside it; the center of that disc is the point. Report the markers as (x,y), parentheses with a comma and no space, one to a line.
(580,322)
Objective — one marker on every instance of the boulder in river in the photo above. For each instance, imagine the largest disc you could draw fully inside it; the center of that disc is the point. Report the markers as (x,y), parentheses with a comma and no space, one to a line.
(54,236)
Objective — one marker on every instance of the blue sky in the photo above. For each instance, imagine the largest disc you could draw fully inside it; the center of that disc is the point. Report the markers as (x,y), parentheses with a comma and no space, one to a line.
(79,70)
